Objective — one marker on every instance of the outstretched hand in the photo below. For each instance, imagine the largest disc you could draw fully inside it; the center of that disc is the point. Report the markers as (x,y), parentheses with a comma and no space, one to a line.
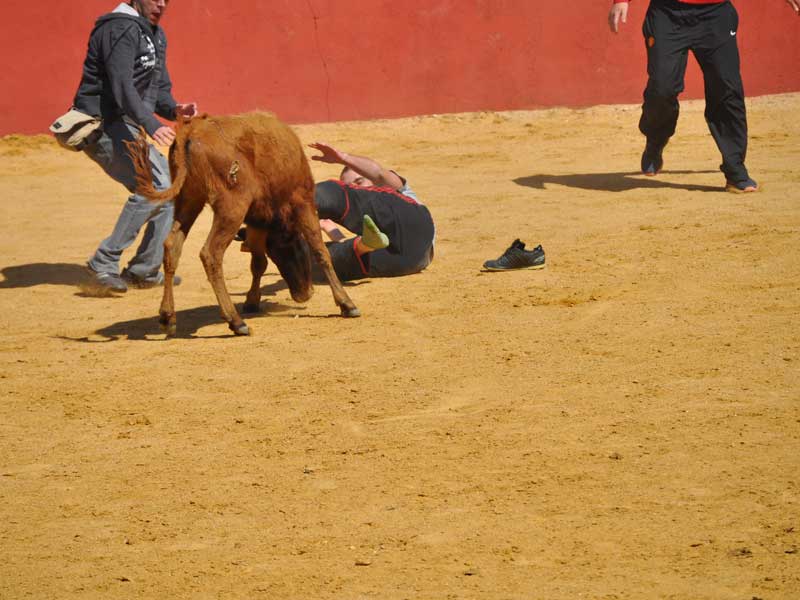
(619,14)
(329,154)
(795,4)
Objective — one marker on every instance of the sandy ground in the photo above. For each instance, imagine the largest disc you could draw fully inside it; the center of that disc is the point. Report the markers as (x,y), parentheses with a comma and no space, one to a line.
(622,424)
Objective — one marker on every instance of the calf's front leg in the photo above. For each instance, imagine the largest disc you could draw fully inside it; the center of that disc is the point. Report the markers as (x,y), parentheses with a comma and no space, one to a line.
(185,215)
(257,242)
(308,222)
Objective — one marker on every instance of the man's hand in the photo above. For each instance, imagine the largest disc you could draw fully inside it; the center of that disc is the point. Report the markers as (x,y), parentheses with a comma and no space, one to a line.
(370,172)
(329,154)
(186,110)
(619,14)
(795,4)
(331,229)
(164,136)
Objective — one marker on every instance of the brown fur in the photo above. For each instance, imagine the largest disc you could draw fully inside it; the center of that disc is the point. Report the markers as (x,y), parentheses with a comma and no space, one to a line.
(248,168)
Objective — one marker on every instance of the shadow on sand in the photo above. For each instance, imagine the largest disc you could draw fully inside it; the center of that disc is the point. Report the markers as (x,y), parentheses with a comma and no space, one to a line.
(23,276)
(617,182)
(191,320)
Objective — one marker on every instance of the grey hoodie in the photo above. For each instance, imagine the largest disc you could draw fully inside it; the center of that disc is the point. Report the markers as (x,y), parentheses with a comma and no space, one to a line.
(125,71)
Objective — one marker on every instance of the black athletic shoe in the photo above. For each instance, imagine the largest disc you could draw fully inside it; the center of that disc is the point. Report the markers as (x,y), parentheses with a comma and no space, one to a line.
(109,281)
(144,283)
(745,186)
(516,257)
(652,159)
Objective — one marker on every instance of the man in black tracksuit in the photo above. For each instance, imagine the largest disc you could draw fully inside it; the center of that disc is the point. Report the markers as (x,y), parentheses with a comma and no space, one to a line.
(394,230)
(125,81)
(708,28)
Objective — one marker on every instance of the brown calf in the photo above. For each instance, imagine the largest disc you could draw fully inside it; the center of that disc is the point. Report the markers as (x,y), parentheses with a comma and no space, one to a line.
(249,168)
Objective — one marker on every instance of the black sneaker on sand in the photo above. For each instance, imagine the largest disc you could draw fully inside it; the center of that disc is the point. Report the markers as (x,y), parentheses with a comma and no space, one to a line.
(144,283)
(107,281)
(744,186)
(652,158)
(516,257)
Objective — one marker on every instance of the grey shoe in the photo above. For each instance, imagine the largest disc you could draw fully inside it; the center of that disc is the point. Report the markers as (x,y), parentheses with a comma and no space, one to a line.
(110,281)
(144,283)
(516,257)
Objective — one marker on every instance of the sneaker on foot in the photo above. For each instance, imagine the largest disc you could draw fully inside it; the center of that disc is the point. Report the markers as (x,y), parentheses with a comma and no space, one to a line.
(372,236)
(144,283)
(516,257)
(110,281)
(652,159)
(745,186)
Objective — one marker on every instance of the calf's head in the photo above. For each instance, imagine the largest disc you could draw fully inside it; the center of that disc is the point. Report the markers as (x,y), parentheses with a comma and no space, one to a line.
(291,255)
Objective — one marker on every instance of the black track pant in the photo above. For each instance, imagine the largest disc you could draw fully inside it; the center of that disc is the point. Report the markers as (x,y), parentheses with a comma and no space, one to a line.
(670,30)
(406,223)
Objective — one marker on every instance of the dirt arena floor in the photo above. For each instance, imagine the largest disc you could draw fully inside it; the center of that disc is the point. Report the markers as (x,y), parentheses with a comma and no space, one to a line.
(622,424)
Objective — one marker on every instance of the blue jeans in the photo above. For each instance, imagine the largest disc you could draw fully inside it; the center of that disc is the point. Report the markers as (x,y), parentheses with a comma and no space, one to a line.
(111,154)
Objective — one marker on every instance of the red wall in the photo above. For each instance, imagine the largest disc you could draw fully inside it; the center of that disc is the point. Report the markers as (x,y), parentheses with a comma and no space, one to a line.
(327,60)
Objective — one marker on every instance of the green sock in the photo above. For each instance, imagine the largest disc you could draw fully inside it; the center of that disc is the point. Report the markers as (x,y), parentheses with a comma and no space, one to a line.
(372,236)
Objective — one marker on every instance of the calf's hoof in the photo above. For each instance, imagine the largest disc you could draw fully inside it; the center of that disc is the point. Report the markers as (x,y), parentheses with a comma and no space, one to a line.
(350,312)
(168,324)
(251,308)
(240,329)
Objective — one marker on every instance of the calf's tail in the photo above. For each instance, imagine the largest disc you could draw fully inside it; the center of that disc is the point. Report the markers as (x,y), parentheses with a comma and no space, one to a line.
(139,152)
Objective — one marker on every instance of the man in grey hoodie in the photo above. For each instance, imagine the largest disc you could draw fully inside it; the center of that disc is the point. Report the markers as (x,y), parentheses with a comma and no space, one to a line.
(125,81)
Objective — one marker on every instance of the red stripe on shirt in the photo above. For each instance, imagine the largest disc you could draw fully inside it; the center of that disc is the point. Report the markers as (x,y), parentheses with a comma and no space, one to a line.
(346,202)
(358,256)
(386,190)
(372,188)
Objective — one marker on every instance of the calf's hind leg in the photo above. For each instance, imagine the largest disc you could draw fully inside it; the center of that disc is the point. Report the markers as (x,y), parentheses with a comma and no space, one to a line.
(227,219)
